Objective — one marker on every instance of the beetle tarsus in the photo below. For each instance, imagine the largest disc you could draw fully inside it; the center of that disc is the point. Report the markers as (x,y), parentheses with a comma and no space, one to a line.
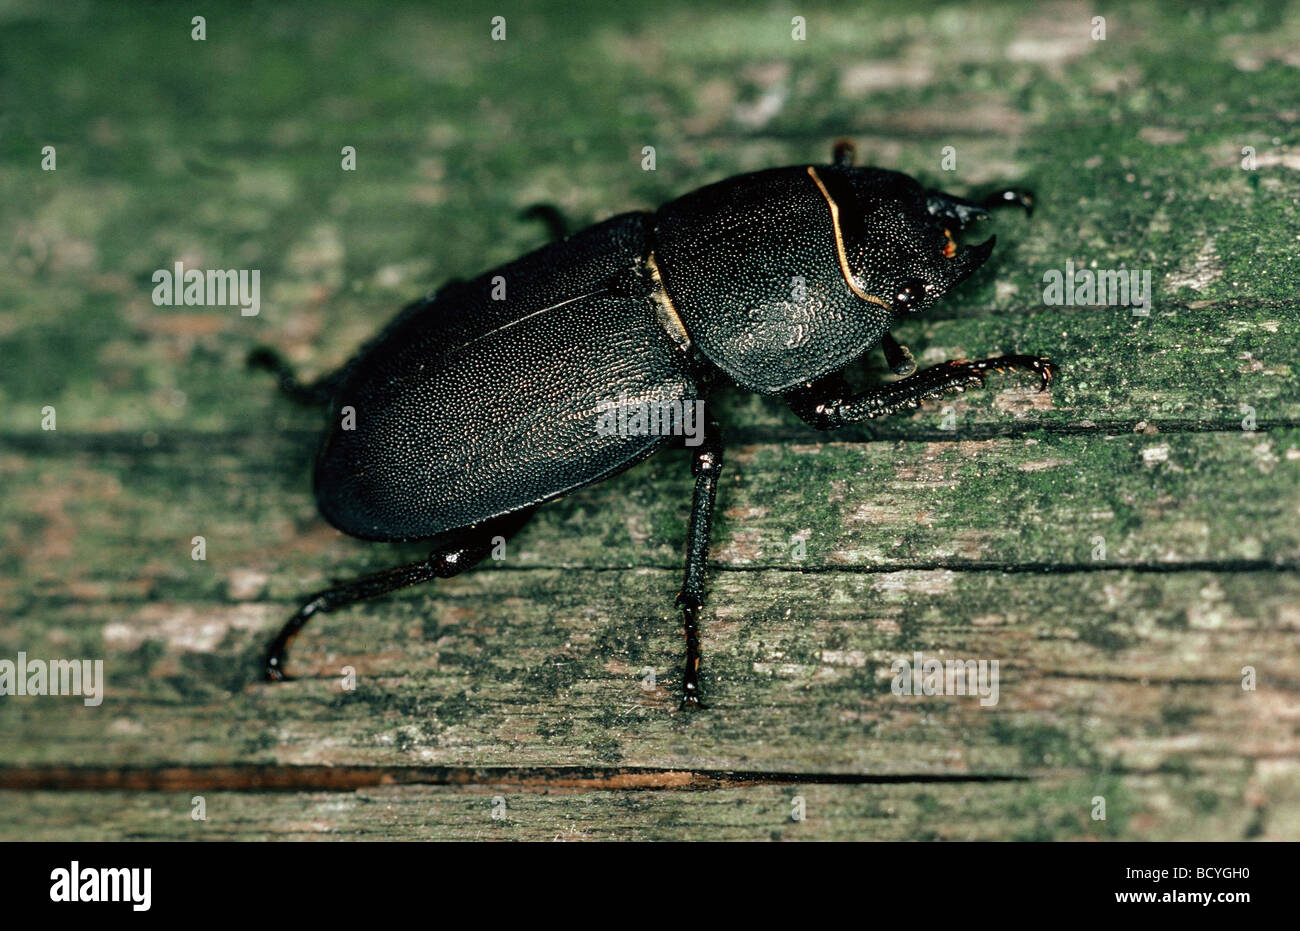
(273,666)
(1044,367)
(691,675)
(277,653)
(706,466)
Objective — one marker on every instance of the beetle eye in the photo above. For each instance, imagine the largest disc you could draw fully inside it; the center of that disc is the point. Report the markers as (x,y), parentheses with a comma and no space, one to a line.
(909,294)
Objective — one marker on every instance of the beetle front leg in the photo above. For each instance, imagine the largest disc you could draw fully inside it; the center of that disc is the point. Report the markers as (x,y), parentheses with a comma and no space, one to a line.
(827,412)
(706,466)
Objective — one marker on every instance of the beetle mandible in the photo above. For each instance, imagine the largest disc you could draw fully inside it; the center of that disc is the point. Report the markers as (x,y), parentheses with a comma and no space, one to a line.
(470,411)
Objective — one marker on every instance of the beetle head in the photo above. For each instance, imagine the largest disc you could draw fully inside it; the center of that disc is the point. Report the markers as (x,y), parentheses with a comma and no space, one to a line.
(900,239)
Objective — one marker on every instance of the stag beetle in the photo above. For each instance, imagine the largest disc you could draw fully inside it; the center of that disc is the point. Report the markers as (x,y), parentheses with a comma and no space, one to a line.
(470,410)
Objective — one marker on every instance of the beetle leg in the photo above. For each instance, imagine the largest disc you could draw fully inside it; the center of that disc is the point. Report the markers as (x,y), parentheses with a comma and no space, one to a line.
(457,555)
(551,217)
(317,393)
(1011,197)
(828,412)
(962,212)
(844,153)
(705,467)
(898,356)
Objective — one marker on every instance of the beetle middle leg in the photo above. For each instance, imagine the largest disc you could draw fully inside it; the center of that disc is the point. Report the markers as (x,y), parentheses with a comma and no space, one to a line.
(706,466)
(460,552)
(820,407)
(898,356)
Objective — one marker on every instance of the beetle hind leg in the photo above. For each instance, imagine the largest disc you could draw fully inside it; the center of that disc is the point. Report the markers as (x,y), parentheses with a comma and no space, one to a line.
(459,553)
(317,393)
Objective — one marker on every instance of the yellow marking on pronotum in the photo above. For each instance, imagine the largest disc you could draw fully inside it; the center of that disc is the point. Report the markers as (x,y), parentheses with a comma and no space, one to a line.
(667,312)
(839,241)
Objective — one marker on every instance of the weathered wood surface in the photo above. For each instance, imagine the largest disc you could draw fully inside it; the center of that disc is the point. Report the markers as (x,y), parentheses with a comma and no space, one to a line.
(1165,806)
(1120,544)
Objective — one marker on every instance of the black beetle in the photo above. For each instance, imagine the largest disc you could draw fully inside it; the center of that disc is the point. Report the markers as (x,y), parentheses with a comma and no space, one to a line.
(470,410)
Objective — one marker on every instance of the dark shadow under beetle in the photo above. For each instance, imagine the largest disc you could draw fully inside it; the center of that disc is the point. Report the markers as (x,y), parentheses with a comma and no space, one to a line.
(481,402)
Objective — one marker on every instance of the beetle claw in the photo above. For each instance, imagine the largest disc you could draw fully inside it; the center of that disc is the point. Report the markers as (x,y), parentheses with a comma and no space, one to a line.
(1047,371)
(691,702)
(273,663)
(274,673)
